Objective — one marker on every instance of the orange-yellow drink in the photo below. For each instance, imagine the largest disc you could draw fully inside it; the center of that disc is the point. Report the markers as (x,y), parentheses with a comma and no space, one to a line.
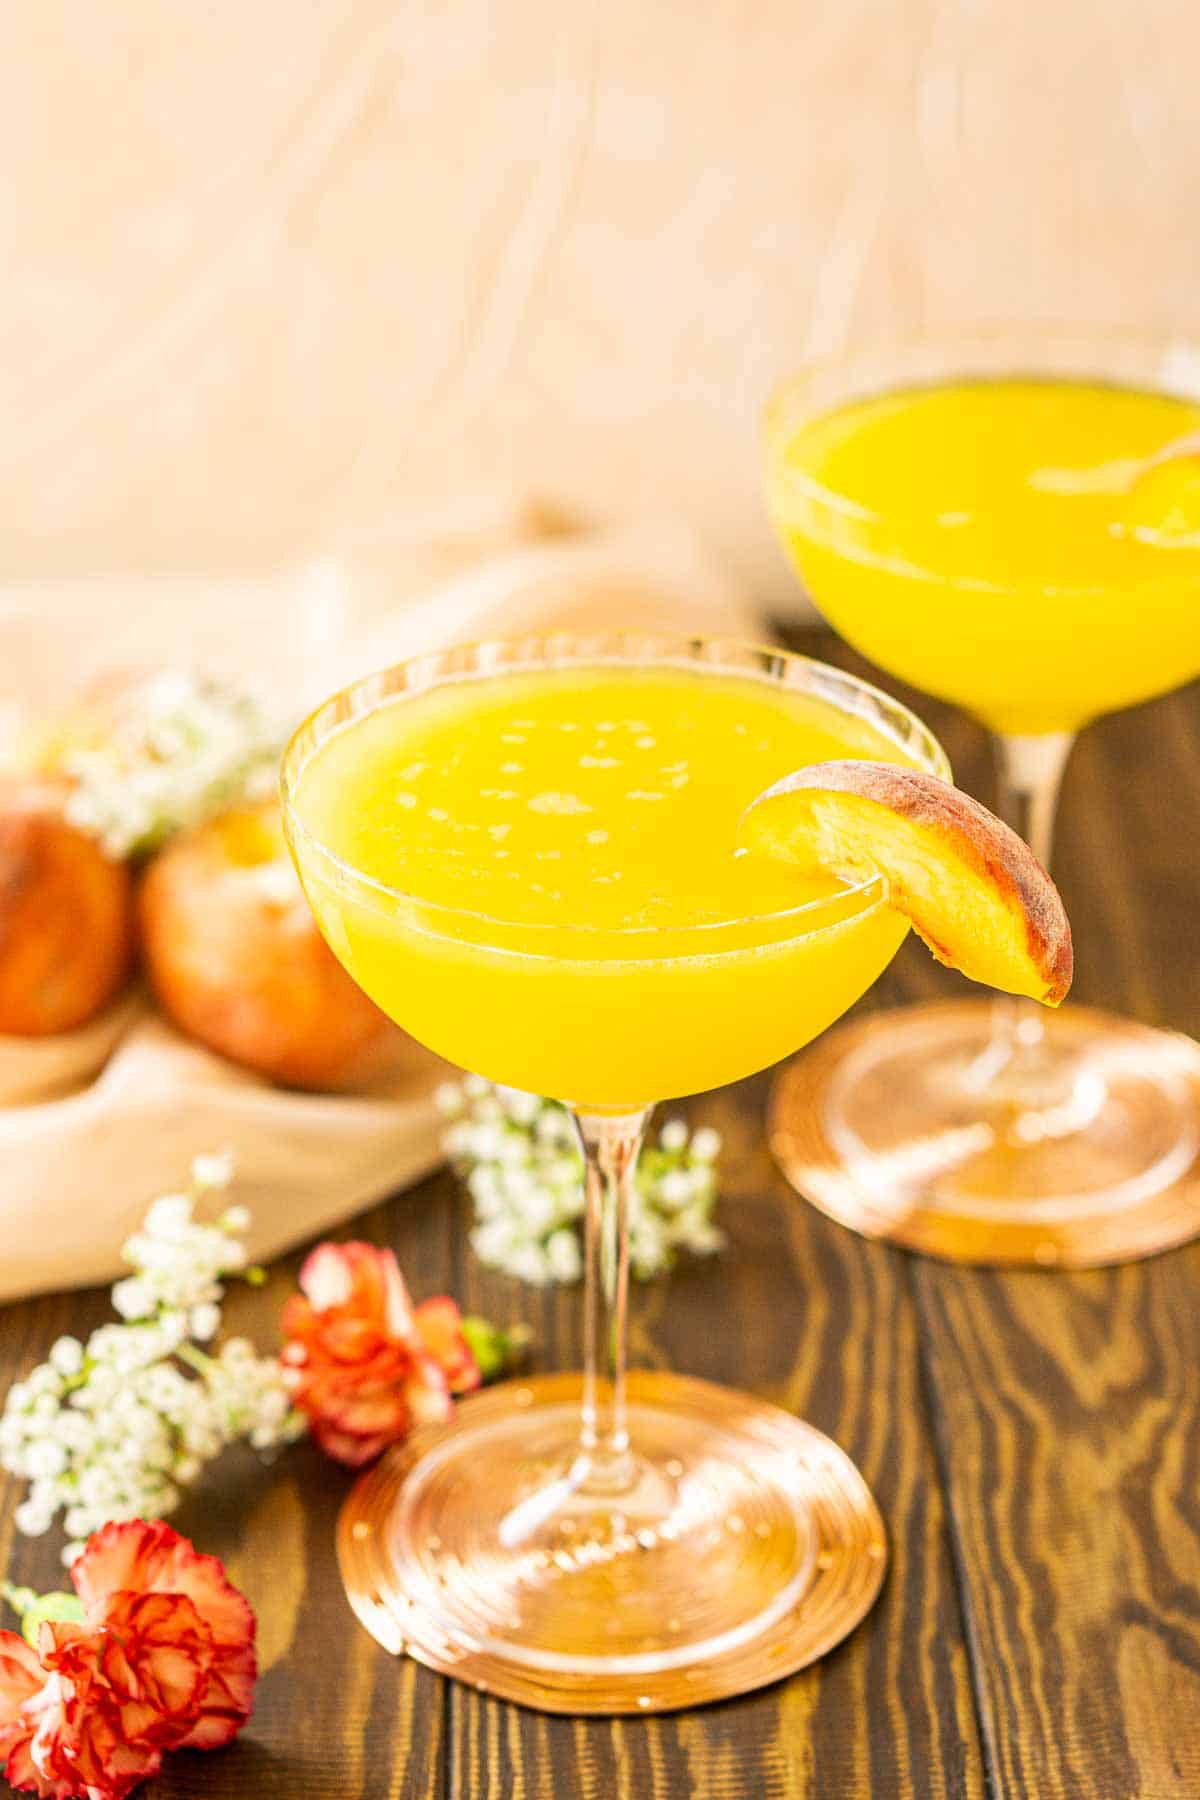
(991,541)
(536,874)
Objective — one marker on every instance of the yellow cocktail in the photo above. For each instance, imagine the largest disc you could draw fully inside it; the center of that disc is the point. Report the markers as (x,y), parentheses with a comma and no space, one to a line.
(565,842)
(1007,523)
(988,540)
(528,854)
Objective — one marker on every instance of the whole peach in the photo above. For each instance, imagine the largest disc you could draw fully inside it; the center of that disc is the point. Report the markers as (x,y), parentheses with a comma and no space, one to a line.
(66,914)
(235,958)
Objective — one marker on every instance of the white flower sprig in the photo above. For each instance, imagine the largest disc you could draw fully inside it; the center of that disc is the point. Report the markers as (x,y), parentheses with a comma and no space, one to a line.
(521,1162)
(117,1427)
(179,748)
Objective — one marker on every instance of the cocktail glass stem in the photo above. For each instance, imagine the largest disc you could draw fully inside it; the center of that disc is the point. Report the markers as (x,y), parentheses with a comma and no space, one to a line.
(1029,776)
(1030,772)
(611,1143)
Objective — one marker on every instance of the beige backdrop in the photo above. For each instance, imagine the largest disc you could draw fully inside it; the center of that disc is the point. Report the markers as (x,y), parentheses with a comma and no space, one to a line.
(282,275)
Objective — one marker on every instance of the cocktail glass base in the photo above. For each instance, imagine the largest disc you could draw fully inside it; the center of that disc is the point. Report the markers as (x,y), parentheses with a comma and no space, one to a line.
(746,1546)
(901,1127)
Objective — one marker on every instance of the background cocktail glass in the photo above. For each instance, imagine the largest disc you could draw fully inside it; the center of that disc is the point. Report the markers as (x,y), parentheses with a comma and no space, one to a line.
(591,1540)
(993,1130)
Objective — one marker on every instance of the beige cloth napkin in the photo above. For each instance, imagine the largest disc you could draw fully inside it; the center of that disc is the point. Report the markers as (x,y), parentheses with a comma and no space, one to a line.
(95,1124)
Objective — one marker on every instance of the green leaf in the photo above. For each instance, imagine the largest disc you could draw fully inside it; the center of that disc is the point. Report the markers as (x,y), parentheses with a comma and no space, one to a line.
(495,1349)
(50,1606)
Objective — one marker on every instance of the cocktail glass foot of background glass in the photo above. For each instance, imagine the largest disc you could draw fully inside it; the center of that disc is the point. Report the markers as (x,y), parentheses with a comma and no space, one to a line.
(745,1547)
(900,1127)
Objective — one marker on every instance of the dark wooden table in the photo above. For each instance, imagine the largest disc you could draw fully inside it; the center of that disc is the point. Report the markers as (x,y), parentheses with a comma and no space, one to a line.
(1033,1439)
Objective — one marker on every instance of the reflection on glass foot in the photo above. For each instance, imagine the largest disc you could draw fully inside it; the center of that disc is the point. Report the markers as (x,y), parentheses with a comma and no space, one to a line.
(915,1126)
(744,1545)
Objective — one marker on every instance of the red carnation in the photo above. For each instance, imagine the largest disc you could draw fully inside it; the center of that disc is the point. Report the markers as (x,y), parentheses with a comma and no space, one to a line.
(360,1362)
(60,1724)
(164,1658)
(439,1322)
(154,1559)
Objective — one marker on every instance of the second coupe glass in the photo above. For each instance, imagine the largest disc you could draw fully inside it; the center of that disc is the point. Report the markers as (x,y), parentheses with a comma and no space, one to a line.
(993,520)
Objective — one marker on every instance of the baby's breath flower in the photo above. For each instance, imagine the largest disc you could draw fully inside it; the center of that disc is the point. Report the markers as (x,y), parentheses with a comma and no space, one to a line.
(66,1356)
(706,1144)
(529,1261)
(522,1108)
(46,1458)
(169,1215)
(178,748)
(31,1521)
(116,1428)
(44,1381)
(675,1188)
(674,1135)
(205,1321)
(522,1165)
(213,1171)
(564,1260)
(132,1298)
(649,1245)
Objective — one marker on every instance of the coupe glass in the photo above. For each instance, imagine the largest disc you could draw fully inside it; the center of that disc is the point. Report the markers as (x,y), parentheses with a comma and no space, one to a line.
(994,1130)
(592,1540)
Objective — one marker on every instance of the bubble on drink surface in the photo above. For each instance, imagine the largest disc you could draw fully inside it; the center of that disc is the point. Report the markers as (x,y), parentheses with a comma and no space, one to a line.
(564,804)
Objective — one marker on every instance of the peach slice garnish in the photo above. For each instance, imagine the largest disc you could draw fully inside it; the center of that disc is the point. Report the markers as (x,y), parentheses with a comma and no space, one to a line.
(971,888)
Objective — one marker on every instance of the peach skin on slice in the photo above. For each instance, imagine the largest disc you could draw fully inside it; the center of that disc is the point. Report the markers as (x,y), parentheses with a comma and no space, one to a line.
(972,889)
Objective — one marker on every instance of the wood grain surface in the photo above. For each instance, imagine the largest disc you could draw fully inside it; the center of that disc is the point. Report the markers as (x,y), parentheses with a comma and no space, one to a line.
(1033,1439)
(825,1326)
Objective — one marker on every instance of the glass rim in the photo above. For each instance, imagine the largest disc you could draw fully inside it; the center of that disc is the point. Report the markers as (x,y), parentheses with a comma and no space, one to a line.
(1052,350)
(369,693)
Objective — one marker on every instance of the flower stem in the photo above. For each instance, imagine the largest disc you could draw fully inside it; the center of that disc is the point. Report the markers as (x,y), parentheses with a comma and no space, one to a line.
(196,1359)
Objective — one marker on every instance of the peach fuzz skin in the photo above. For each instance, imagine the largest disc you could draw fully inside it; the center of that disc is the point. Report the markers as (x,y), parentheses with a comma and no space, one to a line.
(971,888)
